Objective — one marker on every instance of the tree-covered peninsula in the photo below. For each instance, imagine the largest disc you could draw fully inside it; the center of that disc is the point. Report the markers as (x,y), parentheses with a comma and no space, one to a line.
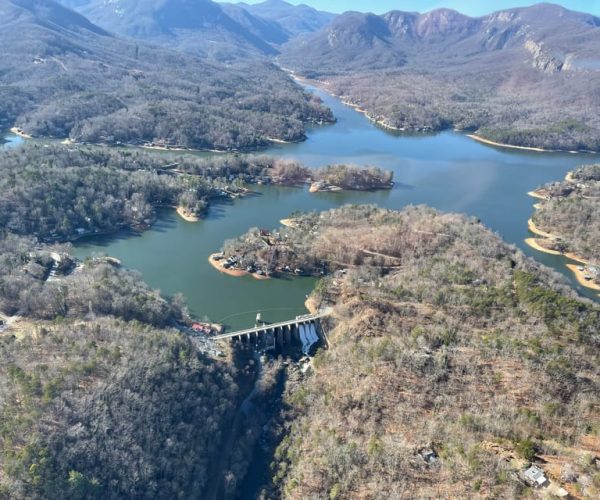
(454,362)
(567,221)
(64,77)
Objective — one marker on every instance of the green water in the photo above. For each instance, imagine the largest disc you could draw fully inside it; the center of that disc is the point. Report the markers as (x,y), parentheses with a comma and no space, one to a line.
(448,171)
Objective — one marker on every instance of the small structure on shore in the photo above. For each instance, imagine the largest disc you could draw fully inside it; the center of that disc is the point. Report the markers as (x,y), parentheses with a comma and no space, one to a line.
(319,186)
(535,476)
(203,328)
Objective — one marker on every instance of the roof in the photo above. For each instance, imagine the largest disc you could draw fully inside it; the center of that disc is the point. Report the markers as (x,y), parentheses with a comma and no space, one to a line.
(535,475)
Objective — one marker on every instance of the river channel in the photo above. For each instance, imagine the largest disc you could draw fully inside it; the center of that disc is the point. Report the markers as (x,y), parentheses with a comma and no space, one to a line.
(448,171)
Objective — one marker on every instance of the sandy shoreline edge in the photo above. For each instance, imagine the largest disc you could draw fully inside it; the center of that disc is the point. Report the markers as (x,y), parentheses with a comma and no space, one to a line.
(483,140)
(20,133)
(186,216)
(581,278)
(535,243)
(288,222)
(236,273)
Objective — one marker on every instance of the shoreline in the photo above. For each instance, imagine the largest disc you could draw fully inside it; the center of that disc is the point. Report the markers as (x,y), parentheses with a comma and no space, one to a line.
(574,268)
(328,188)
(310,305)
(186,216)
(357,108)
(167,149)
(489,142)
(288,222)
(536,244)
(162,149)
(533,243)
(536,194)
(236,273)
(483,140)
(20,133)
(323,86)
(278,141)
(580,276)
(548,236)
(535,230)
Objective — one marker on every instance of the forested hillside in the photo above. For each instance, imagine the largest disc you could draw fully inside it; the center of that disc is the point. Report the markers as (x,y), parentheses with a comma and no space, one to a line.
(218,30)
(525,76)
(108,409)
(98,397)
(65,77)
(449,361)
(60,193)
(295,19)
(453,362)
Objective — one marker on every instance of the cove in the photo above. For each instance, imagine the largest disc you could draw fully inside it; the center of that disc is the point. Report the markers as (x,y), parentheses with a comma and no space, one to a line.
(448,171)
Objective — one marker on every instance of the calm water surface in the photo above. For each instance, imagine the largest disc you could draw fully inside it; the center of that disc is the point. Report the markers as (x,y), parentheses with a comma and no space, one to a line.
(448,171)
(10,141)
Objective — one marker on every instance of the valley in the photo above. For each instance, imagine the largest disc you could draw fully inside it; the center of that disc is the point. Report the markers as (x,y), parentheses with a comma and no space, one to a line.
(492,187)
(181,180)
(509,77)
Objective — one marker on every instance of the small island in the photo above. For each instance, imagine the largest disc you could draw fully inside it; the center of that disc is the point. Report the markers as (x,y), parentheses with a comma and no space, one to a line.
(567,222)
(331,178)
(350,178)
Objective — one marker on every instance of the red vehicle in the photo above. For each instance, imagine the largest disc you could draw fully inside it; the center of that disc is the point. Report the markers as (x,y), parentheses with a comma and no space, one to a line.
(201,327)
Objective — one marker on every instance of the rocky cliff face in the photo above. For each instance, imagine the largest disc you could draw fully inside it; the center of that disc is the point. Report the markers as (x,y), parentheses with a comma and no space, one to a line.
(543,59)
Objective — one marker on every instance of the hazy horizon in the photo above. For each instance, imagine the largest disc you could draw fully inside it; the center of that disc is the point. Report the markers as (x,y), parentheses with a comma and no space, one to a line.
(470,7)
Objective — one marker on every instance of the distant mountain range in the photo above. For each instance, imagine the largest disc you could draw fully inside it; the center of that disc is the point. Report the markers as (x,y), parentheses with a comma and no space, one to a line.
(527,76)
(204,27)
(295,19)
(551,37)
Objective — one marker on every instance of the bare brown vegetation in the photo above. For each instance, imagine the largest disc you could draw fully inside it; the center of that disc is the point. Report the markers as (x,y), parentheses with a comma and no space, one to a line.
(443,338)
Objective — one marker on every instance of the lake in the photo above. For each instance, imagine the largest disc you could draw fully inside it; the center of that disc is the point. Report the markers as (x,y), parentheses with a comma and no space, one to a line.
(448,171)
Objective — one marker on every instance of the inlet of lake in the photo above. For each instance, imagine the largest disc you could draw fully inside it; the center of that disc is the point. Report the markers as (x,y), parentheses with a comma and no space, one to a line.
(448,171)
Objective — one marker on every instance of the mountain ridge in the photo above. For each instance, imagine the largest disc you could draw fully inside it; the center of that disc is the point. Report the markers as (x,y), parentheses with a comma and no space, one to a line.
(223,31)
(414,33)
(523,77)
(296,19)
(201,27)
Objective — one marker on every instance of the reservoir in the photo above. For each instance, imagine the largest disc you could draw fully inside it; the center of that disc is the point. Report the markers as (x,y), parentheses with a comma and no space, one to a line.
(448,171)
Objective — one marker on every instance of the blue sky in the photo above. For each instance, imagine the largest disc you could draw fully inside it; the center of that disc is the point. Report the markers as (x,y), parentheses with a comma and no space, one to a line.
(471,7)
